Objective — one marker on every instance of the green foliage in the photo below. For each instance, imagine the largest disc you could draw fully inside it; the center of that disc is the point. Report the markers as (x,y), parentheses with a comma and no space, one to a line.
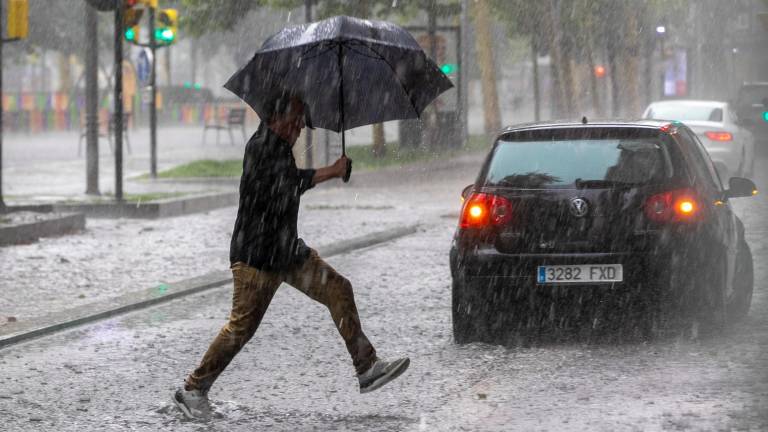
(205,168)
(202,16)
(365,159)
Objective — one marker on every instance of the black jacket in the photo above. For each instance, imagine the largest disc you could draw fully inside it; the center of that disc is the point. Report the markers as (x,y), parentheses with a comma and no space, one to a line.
(265,235)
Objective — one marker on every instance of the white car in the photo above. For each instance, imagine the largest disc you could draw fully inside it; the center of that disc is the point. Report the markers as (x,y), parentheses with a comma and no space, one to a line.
(731,147)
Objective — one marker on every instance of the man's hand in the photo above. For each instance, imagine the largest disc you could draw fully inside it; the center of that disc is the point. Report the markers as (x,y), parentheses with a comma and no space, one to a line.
(338,169)
(340,166)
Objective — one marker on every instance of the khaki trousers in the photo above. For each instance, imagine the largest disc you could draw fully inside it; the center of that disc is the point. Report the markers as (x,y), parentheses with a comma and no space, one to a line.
(253,291)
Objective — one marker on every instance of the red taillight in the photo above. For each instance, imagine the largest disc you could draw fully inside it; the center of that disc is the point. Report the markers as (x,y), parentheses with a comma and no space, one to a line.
(674,206)
(482,209)
(719,136)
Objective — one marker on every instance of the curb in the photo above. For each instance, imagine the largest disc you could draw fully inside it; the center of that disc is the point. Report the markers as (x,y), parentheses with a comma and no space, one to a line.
(32,231)
(168,207)
(19,332)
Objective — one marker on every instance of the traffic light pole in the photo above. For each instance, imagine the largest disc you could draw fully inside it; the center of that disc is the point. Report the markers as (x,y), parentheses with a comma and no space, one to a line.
(153,97)
(3,208)
(118,110)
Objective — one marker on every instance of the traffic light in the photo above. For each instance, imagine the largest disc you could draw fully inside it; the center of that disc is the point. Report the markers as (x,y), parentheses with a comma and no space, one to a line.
(600,71)
(132,34)
(449,68)
(167,26)
(131,17)
(765,116)
(18,19)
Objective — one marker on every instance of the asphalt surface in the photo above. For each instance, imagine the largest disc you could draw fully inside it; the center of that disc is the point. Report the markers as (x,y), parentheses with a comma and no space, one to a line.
(295,374)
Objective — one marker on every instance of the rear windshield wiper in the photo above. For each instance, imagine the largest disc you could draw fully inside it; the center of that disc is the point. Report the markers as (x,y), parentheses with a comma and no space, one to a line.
(597,184)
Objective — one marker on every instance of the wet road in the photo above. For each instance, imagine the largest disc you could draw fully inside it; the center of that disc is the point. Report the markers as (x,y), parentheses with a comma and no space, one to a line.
(295,374)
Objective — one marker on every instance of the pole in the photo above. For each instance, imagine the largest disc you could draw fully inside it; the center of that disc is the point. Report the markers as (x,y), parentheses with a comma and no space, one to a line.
(153,97)
(463,76)
(91,102)
(3,207)
(345,179)
(308,159)
(168,80)
(341,99)
(118,114)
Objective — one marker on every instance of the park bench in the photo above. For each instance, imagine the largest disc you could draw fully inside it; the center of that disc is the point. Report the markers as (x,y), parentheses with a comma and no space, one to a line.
(235,119)
(108,134)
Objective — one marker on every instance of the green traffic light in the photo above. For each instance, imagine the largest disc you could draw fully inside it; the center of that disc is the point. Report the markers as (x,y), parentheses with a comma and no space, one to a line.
(164,35)
(449,68)
(168,35)
(765,116)
(130,34)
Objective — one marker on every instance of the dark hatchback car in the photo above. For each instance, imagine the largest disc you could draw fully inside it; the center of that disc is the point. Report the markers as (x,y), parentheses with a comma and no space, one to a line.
(751,106)
(621,225)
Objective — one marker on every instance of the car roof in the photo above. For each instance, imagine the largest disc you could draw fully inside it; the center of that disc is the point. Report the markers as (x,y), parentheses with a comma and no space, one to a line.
(568,124)
(690,102)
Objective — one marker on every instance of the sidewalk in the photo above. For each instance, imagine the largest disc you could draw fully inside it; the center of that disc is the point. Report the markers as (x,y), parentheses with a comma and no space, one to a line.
(114,257)
(46,166)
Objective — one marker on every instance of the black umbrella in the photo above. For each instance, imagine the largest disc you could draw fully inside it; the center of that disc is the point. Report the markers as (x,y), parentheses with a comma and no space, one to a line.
(350,72)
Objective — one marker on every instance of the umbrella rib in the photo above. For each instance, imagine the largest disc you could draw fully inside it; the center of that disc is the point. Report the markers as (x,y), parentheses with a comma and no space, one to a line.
(402,86)
(332,46)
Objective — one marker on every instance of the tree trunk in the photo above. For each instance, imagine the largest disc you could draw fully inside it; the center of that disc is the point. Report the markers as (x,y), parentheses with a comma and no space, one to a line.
(613,72)
(65,73)
(561,59)
(91,101)
(596,108)
(193,59)
(379,141)
(168,78)
(484,46)
(631,63)
(536,90)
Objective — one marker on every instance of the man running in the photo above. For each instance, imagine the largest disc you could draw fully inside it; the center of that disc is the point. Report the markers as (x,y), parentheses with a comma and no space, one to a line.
(265,251)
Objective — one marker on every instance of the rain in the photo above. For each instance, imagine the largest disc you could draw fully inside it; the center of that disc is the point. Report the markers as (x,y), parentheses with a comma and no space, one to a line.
(383,215)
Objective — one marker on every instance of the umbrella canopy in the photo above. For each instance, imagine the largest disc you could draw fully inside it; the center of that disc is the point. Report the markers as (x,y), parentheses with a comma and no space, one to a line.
(350,72)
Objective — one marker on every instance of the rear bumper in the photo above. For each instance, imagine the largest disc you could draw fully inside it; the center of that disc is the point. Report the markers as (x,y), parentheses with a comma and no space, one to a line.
(521,269)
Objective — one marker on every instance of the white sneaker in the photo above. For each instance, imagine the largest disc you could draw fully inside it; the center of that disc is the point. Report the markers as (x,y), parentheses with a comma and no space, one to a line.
(381,373)
(193,404)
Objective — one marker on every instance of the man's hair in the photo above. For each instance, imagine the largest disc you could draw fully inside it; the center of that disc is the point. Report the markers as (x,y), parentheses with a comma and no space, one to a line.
(279,105)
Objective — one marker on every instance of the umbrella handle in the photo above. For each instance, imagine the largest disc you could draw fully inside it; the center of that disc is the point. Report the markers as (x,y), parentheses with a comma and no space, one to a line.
(349,171)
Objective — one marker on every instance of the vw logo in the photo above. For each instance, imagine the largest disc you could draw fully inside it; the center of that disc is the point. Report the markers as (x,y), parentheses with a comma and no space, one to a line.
(579,207)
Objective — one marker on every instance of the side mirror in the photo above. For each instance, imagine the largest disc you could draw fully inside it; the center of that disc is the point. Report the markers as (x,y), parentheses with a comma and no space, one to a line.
(740,187)
(465,193)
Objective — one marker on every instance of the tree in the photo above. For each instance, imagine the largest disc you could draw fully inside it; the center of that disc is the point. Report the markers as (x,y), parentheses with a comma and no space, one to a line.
(484,46)
(525,19)
(202,16)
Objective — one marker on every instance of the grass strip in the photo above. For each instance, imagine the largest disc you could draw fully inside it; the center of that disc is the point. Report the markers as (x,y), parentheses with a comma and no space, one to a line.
(363,157)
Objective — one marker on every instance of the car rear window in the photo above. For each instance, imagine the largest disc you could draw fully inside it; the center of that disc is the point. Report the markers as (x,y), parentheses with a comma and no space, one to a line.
(576,163)
(685,112)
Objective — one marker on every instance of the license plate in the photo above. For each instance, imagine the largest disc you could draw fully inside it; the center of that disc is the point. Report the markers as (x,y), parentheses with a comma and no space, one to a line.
(589,273)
